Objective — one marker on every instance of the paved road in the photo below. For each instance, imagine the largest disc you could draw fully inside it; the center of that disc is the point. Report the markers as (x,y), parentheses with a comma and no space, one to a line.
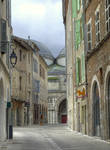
(53,138)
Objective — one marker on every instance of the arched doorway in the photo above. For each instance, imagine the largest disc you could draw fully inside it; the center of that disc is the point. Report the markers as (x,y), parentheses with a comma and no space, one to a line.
(2,113)
(96,110)
(108,107)
(62,113)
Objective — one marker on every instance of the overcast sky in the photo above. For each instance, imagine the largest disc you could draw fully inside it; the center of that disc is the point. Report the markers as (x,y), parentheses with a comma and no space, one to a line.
(41,20)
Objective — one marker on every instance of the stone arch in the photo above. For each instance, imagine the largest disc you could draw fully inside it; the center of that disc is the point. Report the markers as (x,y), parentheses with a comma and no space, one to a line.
(107,101)
(61,101)
(95,96)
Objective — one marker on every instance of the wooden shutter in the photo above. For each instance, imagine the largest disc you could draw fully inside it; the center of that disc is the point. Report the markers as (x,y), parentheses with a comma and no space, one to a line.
(3,36)
(77,71)
(83,67)
(74,8)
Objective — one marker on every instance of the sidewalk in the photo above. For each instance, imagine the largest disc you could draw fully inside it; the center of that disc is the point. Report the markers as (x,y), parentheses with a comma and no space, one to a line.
(3,145)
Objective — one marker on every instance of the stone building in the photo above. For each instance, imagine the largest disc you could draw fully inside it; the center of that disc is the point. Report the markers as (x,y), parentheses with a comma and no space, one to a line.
(97,17)
(36,87)
(5,38)
(41,105)
(73,17)
(22,83)
(79,65)
(91,116)
(70,62)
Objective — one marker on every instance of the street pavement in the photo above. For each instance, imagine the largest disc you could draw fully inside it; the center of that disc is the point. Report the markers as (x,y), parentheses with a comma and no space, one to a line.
(57,137)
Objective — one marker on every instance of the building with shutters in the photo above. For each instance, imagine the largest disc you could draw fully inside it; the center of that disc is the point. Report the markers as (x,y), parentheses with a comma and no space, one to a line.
(87,26)
(5,38)
(97,25)
(73,16)
(79,58)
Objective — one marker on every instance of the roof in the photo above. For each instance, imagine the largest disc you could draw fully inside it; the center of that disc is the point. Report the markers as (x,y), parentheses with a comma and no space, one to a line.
(62,53)
(44,51)
(25,43)
(56,69)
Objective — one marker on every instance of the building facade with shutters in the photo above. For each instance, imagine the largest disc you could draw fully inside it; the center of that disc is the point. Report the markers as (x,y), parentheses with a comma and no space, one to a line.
(73,17)
(97,17)
(5,38)
(88,31)
(79,61)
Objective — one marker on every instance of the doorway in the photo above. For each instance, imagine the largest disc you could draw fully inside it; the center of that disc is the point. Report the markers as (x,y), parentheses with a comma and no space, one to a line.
(96,111)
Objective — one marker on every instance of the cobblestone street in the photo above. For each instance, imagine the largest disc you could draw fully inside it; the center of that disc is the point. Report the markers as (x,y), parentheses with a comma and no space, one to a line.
(53,138)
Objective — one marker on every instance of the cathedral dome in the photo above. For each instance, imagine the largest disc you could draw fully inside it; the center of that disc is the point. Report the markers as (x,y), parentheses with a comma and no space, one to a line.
(62,53)
(61,58)
(45,52)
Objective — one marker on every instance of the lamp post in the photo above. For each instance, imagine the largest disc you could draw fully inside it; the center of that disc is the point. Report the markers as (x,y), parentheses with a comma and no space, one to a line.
(13,61)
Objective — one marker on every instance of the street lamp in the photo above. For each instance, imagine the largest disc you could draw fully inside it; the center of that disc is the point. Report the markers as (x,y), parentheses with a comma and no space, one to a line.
(13,59)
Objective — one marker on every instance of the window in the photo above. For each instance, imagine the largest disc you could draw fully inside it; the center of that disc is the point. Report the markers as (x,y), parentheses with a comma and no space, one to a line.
(29,78)
(29,96)
(42,72)
(29,59)
(97,26)
(78,70)
(3,36)
(20,55)
(35,65)
(89,35)
(20,82)
(108,15)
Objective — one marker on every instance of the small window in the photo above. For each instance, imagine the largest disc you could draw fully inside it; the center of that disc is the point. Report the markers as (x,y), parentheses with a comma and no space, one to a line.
(89,35)
(97,26)
(20,55)
(3,36)
(20,82)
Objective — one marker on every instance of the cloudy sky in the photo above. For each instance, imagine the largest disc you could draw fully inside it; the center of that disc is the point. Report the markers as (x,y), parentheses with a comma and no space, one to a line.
(41,20)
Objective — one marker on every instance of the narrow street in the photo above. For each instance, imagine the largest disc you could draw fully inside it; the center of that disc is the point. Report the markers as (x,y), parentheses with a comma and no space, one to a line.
(53,138)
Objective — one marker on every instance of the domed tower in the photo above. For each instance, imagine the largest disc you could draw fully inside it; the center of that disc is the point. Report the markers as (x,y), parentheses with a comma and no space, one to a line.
(61,58)
(45,53)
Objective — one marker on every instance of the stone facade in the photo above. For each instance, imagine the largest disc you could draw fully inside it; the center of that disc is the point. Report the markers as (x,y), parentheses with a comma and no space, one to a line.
(22,83)
(93,109)
(5,38)
(69,61)
(43,100)
(98,70)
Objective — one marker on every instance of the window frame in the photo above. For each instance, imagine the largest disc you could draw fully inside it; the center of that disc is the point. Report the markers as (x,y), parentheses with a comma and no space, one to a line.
(89,32)
(97,26)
